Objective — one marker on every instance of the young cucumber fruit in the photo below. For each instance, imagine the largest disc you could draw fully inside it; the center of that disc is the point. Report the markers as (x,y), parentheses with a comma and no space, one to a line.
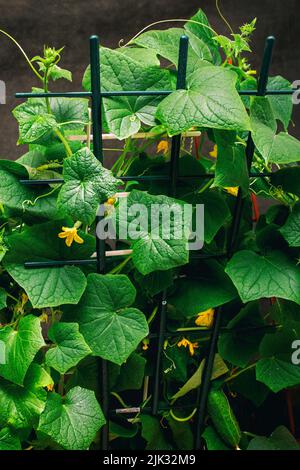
(223,418)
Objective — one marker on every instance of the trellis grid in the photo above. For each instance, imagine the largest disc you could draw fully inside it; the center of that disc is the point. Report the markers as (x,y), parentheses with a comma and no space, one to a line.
(96,96)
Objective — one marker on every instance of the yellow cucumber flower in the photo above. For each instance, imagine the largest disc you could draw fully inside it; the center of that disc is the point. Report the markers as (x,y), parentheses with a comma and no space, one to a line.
(162,147)
(232,190)
(188,344)
(205,318)
(145,344)
(214,152)
(70,234)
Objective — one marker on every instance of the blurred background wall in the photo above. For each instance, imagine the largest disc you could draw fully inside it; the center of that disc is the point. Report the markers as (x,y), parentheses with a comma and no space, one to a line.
(69,23)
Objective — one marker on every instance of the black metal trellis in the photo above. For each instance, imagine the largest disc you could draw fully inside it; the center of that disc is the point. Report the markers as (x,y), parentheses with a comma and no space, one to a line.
(96,96)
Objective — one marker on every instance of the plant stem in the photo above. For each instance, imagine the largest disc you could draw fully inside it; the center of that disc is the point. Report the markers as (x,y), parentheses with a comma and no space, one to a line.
(240,372)
(120,266)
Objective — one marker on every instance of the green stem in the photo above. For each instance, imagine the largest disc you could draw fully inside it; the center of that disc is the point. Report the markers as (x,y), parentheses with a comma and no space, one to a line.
(120,399)
(120,266)
(152,316)
(182,420)
(240,372)
(24,54)
(64,142)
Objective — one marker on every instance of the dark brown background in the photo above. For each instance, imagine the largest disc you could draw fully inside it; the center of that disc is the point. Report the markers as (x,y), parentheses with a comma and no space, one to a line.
(70,23)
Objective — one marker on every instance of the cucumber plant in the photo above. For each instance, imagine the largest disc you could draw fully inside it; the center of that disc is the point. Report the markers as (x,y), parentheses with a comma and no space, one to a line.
(56,322)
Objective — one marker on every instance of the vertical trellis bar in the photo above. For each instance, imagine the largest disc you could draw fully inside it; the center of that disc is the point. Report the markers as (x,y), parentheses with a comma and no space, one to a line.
(208,367)
(100,244)
(175,153)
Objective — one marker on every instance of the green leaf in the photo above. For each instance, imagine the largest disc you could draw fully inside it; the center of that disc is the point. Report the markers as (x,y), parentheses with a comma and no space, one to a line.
(155,282)
(70,347)
(272,275)
(57,72)
(48,287)
(37,125)
(130,375)
(282,105)
(239,348)
(276,369)
(21,346)
(34,127)
(37,377)
(22,200)
(166,44)
(72,421)
(249,387)
(211,100)
(231,165)
(288,179)
(8,441)
(20,406)
(209,288)
(3,297)
(195,380)
(280,439)
(280,148)
(159,245)
(182,434)
(203,30)
(87,185)
(120,72)
(111,328)
(153,434)
(291,229)
(216,215)
(139,54)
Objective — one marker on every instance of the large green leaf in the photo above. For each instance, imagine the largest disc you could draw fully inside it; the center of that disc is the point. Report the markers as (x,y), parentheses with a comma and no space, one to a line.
(130,375)
(200,27)
(36,124)
(280,439)
(22,200)
(158,245)
(209,288)
(48,287)
(21,346)
(121,72)
(275,148)
(20,406)
(288,179)
(216,213)
(231,167)
(139,54)
(275,369)
(291,229)
(272,275)
(235,346)
(152,432)
(195,380)
(166,43)
(111,328)
(72,421)
(69,349)
(211,100)
(8,441)
(87,185)
(282,105)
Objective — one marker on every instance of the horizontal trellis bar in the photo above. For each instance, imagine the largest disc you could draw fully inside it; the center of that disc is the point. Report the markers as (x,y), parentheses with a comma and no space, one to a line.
(106,94)
(112,253)
(143,178)
(138,135)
